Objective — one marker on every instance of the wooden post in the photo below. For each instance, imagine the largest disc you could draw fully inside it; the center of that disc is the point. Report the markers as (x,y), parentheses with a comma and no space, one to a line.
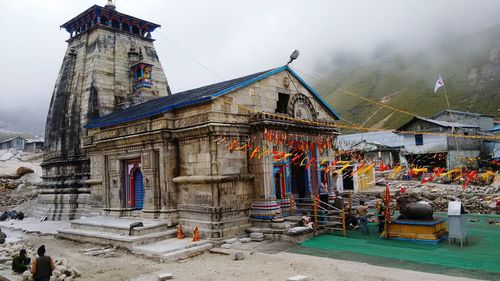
(315,210)
(386,231)
(291,204)
(343,221)
(350,202)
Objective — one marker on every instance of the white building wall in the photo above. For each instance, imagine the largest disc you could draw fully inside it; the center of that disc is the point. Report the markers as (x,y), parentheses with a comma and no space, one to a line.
(431,144)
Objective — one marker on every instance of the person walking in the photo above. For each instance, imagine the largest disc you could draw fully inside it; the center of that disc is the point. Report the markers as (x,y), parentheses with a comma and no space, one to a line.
(380,211)
(362,211)
(42,266)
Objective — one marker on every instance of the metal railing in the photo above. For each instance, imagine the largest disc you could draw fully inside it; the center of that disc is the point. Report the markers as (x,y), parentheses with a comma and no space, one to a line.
(323,212)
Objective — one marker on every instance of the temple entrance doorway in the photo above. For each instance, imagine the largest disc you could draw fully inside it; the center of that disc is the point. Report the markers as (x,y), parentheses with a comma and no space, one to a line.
(299,179)
(348,180)
(133,188)
(279,181)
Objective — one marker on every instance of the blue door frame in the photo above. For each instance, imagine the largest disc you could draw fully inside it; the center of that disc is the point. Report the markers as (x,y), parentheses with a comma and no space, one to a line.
(138,190)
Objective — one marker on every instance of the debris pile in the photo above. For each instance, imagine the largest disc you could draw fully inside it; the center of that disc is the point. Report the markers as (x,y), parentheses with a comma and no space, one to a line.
(15,192)
(476,199)
(17,164)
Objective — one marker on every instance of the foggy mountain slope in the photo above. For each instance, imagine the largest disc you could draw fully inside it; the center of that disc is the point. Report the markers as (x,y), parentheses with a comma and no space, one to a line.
(470,66)
(20,121)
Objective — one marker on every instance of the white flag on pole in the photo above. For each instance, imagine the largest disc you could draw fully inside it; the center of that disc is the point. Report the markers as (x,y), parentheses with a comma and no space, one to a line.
(439,84)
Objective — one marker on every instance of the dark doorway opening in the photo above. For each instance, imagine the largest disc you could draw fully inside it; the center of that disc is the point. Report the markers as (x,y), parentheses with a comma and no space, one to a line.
(347,180)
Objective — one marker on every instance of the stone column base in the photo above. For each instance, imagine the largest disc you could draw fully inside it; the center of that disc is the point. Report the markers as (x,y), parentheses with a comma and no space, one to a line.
(214,222)
(265,209)
(62,206)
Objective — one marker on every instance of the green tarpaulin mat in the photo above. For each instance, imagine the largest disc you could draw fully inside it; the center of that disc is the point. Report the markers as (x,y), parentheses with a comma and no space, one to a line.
(480,256)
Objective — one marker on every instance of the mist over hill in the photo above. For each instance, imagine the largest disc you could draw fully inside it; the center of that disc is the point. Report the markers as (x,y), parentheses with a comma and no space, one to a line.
(405,79)
(21,121)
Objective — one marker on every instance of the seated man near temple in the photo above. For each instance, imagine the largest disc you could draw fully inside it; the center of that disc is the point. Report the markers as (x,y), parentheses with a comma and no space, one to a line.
(21,262)
(306,221)
(339,201)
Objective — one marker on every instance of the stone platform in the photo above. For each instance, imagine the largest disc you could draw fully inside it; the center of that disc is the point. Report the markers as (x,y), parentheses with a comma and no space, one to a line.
(173,249)
(115,231)
(418,231)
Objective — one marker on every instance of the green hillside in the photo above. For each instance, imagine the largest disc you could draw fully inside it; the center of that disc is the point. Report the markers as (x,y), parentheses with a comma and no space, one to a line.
(470,67)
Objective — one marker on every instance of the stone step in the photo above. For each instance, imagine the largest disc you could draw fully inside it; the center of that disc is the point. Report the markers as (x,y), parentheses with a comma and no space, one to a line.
(266,230)
(114,239)
(334,228)
(170,245)
(119,225)
(333,223)
(186,253)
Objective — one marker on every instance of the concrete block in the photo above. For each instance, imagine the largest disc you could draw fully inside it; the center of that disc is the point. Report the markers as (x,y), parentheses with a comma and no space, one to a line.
(165,276)
(230,241)
(269,236)
(298,278)
(257,236)
(245,239)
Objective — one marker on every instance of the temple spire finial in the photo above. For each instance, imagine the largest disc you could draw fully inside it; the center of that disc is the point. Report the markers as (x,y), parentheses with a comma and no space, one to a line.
(110,5)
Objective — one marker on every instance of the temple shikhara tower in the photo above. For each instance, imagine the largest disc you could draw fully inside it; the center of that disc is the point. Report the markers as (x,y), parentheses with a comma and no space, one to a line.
(110,64)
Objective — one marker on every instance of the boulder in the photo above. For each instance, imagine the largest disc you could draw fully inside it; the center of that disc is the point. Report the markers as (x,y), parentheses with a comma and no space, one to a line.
(56,273)
(257,236)
(21,171)
(21,187)
(239,256)
(245,239)
(76,272)
(27,276)
(230,241)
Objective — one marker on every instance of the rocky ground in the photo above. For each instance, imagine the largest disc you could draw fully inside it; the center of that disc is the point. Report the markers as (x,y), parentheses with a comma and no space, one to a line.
(14,192)
(20,172)
(261,261)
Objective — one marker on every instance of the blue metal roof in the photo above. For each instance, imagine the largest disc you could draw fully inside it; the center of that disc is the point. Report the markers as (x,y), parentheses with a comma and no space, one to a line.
(192,97)
(496,128)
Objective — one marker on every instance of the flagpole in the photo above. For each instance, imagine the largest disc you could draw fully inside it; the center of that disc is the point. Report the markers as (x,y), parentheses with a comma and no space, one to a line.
(452,120)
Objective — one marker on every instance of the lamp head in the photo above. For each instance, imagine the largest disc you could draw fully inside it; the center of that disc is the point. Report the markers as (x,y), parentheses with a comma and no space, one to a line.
(293,56)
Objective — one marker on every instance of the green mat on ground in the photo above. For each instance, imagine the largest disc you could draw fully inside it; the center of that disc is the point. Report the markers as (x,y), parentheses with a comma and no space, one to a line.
(481,254)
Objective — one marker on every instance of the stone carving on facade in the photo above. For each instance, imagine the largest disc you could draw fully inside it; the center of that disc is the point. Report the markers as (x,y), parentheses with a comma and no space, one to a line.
(300,107)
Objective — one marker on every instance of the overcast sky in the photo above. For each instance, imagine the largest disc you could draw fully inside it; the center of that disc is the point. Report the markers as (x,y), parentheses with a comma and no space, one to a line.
(230,38)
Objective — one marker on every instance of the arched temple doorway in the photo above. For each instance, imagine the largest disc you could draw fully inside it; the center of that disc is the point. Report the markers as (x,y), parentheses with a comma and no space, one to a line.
(133,188)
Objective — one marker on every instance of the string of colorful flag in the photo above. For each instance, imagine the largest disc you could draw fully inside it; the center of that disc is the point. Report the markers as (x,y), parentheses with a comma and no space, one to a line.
(361,128)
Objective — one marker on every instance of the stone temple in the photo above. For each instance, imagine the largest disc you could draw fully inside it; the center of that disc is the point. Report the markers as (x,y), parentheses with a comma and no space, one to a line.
(218,157)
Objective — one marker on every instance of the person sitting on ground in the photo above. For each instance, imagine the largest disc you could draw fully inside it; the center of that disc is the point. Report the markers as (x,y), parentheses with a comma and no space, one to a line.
(20,263)
(362,211)
(352,221)
(2,237)
(306,221)
(42,266)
